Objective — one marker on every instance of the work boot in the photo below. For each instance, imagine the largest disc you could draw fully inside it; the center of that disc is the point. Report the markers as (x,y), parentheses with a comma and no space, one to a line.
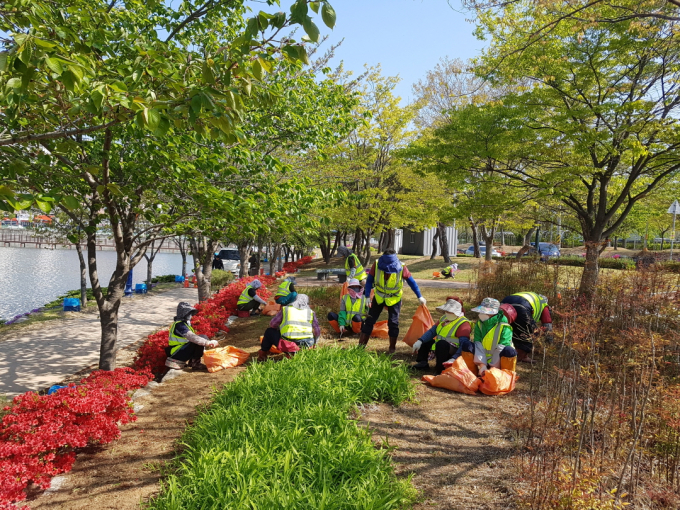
(523,357)
(262,356)
(421,365)
(393,345)
(363,339)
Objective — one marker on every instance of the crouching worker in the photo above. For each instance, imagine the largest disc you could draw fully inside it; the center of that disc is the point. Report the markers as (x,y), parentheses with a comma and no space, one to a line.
(353,309)
(449,338)
(530,308)
(493,338)
(185,346)
(450,272)
(249,301)
(296,322)
(286,292)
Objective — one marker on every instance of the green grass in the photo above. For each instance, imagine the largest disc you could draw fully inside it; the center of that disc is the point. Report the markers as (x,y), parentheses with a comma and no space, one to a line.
(280,437)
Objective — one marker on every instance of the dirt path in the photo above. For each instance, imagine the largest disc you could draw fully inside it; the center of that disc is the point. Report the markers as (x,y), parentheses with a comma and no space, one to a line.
(38,357)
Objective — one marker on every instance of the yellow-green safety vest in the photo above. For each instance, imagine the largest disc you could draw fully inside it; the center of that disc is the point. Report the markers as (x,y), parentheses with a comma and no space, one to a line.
(176,341)
(491,339)
(360,273)
(448,331)
(245,298)
(390,290)
(359,306)
(284,289)
(297,324)
(538,303)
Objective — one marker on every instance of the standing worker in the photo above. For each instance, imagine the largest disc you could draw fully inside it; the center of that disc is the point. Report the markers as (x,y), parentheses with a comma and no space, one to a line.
(185,347)
(493,338)
(531,309)
(353,309)
(249,301)
(296,322)
(449,338)
(387,275)
(217,262)
(353,267)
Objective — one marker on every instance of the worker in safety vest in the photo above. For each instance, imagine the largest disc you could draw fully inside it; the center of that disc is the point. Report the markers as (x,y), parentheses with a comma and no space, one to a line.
(450,271)
(286,292)
(249,301)
(449,338)
(387,276)
(353,267)
(185,347)
(531,309)
(353,309)
(493,338)
(296,322)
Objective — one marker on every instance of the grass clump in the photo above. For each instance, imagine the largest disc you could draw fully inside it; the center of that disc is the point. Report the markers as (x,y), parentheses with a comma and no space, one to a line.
(280,437)
(221,279)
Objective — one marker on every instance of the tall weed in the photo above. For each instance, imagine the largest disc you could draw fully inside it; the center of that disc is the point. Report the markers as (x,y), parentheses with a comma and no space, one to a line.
(279,437)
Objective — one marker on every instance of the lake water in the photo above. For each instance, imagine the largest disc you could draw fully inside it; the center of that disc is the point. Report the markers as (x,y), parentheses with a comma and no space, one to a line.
(30,277)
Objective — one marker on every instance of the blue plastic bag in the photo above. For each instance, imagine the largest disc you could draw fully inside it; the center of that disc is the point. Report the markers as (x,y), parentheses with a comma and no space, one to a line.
(55,388)
(140,288)
(179,279)
(71,304)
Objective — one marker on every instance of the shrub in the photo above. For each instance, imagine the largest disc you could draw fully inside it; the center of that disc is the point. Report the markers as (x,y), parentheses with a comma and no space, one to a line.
(166,278)
(39,434)
(280,437)
(221,278)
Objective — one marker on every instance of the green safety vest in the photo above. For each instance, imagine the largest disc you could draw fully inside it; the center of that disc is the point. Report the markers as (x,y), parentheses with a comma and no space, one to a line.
(491,339)
(297,324)
(538,303)
(284,289)
(360,273)
(176,341)
(448,331)
(245,298)
(389,291)
(359,306)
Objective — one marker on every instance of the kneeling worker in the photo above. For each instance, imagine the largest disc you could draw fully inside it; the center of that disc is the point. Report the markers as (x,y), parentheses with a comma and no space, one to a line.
(353,267)
(449,338)
(450,271)
(286,292)
(249,301)
(296,322)
(353,309)
(185,347)
(531,309)
(493,338)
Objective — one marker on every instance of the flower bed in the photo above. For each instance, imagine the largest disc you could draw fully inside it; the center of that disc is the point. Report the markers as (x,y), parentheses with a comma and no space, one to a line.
(292,267)
(39,433)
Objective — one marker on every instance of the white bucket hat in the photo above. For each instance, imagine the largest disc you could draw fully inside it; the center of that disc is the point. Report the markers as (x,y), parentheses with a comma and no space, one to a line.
(451,306)
(354,283)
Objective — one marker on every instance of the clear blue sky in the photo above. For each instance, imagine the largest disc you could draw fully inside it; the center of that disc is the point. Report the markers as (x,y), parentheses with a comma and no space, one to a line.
(408,37)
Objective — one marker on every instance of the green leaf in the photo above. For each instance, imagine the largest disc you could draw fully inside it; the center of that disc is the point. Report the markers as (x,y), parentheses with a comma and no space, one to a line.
(311,29)
(253,27)
(69,80)
(118,86)
(113,188)
(266,65)
(43,43)
(54,65)
(328,15)
(3,61)
(257,70)
(101,189)
(299,11)
(152,117)
(196,103)
(278,20)
(263,19)
(97,99)
(13,83)
(26,54)
(163,127)
(315,6)
(207,75)
(45,207)
(7,192)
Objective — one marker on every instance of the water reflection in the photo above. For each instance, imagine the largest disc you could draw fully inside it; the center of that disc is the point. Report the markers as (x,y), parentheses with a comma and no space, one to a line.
(32,277)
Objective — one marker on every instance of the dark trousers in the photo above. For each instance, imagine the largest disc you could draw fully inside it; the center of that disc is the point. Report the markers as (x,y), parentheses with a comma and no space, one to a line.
(443,351)
(271,338)
(187,352)
(392,318)
(249,306)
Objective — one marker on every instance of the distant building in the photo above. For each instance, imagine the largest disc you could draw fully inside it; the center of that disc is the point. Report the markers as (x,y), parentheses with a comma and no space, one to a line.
(420,243)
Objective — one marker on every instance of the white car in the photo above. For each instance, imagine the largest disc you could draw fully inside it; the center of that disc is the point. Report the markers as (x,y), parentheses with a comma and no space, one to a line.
(232,260)
(482,251)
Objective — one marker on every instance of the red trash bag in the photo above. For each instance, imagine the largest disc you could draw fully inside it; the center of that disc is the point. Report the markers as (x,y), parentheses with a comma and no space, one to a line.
(497,382)
(224,357)
(422,321)
(273,350)
(271,309)
(380,330)
(287,346)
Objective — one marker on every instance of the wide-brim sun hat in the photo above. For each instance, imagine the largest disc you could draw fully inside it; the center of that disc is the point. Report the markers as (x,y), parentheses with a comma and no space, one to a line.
(489,306)
(353,282)
(451,306)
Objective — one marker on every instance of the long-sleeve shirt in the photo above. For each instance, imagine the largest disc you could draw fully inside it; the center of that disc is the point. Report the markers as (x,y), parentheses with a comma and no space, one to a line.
(183,330)
(462,332)
(505,340)
(278,319)
(253,294)
(406,275)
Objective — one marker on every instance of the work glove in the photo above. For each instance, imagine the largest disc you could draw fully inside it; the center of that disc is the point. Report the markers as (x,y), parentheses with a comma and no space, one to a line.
(482,370)
(213,343)
(417,345)
(422,300)
(448,363)
(342,330)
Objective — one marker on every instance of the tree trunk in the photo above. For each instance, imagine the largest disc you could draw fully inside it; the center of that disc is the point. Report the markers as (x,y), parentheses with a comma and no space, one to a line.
(475,238)
(616,243)
(272,259)
(381,241)
(444,242)
(181,243)
(244,254)
(202,250)
(259,254)
(356,243)
(336,243)
(83,275)
(591,270)
(366,261)
(435,243)
(526,243)
(488,236)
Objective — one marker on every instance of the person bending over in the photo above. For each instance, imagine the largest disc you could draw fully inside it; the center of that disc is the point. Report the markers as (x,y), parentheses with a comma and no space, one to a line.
(185,347)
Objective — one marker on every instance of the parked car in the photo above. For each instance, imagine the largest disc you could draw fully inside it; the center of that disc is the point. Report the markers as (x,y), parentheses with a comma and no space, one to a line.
(232,260)
(547,250)
(482,251)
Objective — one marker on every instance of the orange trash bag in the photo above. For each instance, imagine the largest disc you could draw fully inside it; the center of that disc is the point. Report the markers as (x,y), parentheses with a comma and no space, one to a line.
(436,274)
(271,309)
(459,370)
(447,382)
(273,350)
(380,330)
(422,321)
(497,382)
(224,357)
(345,289)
